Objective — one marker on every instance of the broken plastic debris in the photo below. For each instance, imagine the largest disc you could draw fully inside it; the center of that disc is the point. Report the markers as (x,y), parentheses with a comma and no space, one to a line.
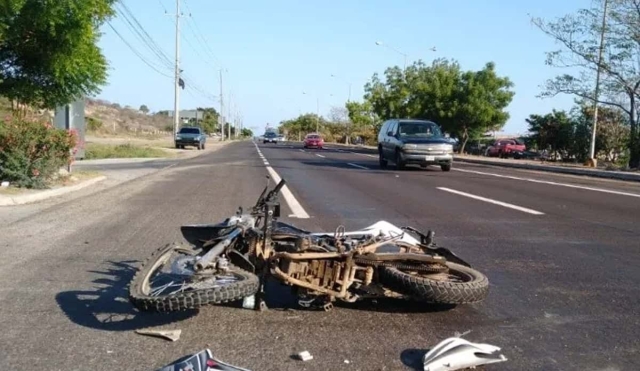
(201,361)
(346,361)
(172,335)
(305,356)
(249,302)
(456,353)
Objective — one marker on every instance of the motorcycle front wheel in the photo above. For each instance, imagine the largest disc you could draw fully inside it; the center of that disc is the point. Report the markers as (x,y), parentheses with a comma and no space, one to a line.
(460,285)
(166,282)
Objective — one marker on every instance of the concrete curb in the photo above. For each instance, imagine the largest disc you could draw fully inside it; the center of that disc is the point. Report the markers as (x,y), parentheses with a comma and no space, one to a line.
(557,169)
(25,199)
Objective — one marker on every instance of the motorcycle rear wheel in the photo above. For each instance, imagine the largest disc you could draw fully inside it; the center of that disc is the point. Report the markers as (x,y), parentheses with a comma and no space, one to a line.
(463,285)
(141,296)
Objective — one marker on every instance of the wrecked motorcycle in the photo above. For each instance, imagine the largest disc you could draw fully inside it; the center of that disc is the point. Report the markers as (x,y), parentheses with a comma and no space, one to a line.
(231,260)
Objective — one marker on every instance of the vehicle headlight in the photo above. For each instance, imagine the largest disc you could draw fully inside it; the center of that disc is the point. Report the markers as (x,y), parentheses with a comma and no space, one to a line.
(410,146)
(177,137)
(448,148)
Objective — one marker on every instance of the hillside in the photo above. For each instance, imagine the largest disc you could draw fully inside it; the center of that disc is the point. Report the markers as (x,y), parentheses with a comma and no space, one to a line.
(110,118)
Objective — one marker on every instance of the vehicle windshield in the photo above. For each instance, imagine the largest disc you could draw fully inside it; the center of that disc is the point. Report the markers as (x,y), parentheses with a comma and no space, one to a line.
(313,137)
(189,131)
(419,129)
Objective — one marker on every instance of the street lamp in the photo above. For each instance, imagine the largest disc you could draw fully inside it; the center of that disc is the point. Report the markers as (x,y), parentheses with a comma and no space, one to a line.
(347,82)
(317,111)
(379,43)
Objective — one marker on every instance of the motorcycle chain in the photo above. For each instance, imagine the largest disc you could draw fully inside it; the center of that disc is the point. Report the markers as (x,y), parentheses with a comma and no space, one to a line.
(432,268)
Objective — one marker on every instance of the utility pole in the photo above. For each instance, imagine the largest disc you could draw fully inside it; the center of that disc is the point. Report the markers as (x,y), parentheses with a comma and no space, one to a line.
(592,150)
(229,115)
(317,114)
(176,100)
(221,115)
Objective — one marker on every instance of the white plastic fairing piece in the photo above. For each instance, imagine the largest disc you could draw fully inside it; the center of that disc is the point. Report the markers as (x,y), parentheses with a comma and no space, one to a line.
(456,353)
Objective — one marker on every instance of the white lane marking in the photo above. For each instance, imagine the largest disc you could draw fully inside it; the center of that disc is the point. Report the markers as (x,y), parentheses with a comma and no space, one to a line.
(511,206)
(363,154)
(266,162)
(319,155)
(297,209)
(302,150)
(552,183)
(358,166)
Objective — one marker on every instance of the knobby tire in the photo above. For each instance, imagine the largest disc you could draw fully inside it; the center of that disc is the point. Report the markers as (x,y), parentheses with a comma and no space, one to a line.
(182,301)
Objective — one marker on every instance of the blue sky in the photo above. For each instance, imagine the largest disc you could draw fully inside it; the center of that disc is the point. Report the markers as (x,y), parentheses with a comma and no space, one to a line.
(274,50)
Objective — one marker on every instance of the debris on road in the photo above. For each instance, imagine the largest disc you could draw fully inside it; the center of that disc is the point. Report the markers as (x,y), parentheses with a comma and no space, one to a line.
(4,184)
(455,353)
(201,361)
(249,302)
(305,356)
(172,335)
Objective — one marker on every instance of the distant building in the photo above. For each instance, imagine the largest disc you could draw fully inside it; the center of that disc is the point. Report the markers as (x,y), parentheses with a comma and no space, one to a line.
(188,116)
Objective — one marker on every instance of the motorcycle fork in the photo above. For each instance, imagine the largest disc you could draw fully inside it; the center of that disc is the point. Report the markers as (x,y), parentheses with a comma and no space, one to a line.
(271,212)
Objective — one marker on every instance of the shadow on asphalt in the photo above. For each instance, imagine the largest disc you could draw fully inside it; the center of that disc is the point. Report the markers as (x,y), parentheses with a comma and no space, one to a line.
(107,307)
(413,358)
(390,305)
(279,296)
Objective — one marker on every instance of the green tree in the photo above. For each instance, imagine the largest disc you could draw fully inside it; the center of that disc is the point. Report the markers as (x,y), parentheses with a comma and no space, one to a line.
(579,36)
(553,131)
(480,104)
(302,125)
(365,122)
(465,104)
(144,109)
(246,133)
(209,121)
(48,51)
(612,130)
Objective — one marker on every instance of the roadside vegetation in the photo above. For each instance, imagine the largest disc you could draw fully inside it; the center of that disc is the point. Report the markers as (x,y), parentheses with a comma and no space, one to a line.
(102,151)
(469,104)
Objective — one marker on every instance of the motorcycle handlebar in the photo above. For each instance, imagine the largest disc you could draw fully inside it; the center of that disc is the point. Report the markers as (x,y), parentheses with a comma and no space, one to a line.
(262,199)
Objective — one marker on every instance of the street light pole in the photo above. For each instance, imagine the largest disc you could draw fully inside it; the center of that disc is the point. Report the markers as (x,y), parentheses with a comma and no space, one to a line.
(379,43)
(176,97)
(592,149)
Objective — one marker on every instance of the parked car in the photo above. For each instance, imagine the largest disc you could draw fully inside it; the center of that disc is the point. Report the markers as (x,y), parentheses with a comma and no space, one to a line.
(313,140)
(191,136)
(407,141)
(270,137)
(506,148)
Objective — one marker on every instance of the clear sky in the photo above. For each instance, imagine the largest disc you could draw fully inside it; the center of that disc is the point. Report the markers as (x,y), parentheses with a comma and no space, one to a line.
(275,50)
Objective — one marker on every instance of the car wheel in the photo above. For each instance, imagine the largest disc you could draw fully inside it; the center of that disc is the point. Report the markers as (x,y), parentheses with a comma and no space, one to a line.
(446,167)
(383,162)
(203,145)
(177,146)
(400,165)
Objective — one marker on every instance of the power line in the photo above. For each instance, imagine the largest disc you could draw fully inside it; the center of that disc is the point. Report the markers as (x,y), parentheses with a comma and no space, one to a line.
(143,35)
(136,52)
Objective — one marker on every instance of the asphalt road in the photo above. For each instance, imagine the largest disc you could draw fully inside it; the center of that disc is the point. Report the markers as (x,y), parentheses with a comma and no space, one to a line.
(561,253)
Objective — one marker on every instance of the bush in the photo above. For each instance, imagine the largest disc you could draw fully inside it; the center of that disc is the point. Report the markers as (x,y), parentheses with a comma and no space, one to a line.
(93,124)
(32,152)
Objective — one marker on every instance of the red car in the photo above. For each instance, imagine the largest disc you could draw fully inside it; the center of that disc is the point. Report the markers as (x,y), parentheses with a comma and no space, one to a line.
(313,141)
(505,148)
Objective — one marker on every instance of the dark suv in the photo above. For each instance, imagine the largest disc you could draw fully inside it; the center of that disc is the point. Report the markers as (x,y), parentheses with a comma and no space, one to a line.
(190,136)
(406,141)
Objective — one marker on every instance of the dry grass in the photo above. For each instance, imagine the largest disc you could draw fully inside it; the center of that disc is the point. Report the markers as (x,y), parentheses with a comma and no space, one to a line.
(127,150)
